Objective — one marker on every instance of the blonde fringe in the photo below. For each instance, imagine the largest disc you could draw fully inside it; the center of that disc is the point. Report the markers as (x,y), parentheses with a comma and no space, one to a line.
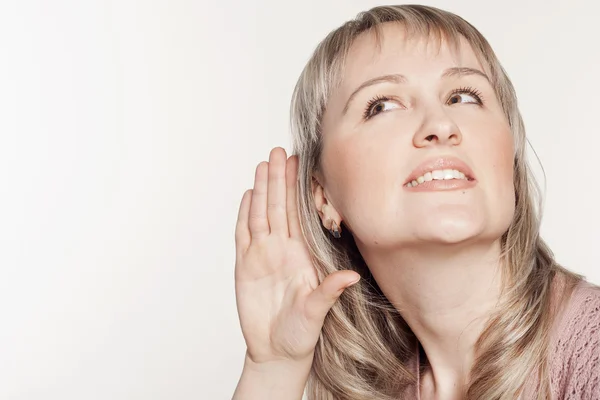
(365,345)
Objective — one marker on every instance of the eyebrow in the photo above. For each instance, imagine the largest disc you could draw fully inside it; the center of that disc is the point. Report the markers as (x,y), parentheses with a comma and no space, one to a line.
(399,78)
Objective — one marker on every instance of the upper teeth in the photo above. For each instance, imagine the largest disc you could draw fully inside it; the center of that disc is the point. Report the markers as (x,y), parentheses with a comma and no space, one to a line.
(438,174)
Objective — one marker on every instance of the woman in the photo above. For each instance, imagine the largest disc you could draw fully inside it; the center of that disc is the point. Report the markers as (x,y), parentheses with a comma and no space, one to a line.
(409,264)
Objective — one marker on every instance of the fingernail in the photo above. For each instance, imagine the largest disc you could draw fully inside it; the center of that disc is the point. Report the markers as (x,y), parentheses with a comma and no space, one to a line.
(353,282)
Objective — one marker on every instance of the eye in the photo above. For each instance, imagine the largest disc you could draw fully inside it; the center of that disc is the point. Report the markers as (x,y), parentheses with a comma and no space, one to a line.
(465,95)
(378,105)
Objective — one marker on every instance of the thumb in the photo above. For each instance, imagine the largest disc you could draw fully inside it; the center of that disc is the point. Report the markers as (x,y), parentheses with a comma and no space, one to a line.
(320,301)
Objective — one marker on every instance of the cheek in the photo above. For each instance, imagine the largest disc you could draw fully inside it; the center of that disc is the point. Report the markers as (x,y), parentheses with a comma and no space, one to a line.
(490,144)
(359,175)
(501,164)
(347,167)
(502,157)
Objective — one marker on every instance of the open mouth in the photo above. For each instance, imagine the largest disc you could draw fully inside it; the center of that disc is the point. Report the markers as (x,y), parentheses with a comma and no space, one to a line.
(439,175)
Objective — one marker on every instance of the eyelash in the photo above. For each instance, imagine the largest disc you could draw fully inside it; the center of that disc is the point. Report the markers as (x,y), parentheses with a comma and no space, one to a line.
(476,94)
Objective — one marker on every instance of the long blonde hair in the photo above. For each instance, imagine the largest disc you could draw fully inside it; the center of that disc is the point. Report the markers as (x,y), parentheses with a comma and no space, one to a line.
(365,345)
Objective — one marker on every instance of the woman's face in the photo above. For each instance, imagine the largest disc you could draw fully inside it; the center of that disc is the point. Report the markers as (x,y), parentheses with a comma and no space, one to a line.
(420,119)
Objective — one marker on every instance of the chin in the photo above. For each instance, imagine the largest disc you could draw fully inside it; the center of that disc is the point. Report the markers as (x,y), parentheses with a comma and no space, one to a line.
(451,229)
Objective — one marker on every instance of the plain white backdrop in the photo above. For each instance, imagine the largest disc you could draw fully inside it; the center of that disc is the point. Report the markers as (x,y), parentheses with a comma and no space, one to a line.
(129,131)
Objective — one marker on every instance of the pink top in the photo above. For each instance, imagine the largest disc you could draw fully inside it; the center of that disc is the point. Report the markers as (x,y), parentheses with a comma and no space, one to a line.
(575,354)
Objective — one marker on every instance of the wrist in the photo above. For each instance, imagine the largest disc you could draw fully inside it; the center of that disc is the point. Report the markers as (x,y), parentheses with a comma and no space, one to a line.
(273,380)
(272,366)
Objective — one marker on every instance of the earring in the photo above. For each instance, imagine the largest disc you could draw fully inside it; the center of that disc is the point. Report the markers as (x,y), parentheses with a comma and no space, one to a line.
(335,231)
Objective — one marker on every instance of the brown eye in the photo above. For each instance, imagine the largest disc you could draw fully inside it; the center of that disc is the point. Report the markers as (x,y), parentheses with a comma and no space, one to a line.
(378,105)
(465,95)
(457,97)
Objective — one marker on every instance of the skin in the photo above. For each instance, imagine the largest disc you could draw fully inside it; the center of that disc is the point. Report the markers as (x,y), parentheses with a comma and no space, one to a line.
(434,254)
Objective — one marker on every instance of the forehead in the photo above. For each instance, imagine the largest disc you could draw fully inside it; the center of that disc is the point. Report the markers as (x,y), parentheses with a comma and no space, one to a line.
(416,56)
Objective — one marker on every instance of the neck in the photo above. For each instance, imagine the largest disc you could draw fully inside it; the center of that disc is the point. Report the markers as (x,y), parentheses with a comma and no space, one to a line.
(446,295)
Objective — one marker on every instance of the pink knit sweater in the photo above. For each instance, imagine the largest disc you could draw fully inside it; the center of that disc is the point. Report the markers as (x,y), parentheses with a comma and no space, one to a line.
(575,350)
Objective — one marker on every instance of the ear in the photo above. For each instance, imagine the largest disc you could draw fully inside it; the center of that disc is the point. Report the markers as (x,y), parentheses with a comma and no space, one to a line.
(326,210)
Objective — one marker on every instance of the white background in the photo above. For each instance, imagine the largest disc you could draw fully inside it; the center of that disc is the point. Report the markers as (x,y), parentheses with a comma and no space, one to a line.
(129,131)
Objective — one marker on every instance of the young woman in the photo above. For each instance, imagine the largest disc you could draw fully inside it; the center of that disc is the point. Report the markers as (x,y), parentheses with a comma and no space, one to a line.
(397,254)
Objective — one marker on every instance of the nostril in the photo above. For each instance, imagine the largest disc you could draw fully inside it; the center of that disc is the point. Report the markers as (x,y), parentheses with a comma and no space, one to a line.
(430,138)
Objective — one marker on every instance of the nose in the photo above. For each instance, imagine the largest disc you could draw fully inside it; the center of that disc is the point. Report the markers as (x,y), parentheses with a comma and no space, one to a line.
(437,129)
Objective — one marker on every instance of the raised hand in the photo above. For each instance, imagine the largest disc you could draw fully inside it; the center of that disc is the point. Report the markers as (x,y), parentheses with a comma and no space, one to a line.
(280,303)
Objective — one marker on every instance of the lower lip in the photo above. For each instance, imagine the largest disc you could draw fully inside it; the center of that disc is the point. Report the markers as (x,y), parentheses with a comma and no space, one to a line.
(442,185)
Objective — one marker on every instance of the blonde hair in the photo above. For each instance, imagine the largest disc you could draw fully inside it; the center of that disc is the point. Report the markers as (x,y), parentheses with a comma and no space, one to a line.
(365,345)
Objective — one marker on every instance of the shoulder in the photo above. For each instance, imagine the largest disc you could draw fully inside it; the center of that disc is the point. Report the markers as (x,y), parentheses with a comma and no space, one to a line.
(575,359)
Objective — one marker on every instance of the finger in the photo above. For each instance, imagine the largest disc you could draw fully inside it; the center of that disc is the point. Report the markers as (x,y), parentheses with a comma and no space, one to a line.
(320,301)
(276,208)
(257,219)
(242,231)
(291,179)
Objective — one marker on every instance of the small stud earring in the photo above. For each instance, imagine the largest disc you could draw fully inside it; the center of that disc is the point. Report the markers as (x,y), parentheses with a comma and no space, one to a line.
(335,231)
